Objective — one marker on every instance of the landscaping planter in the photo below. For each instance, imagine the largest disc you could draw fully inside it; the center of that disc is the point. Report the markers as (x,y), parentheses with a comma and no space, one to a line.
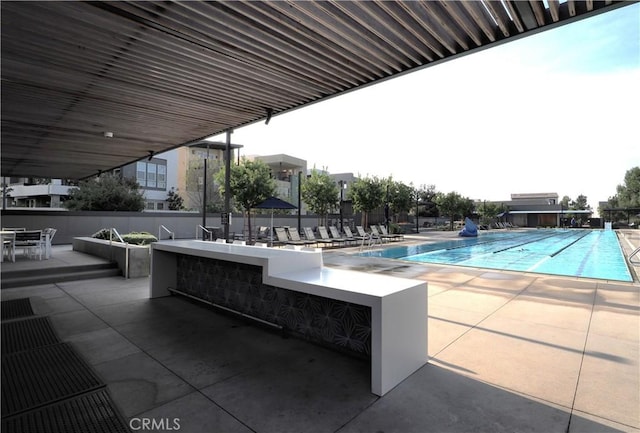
(139,256)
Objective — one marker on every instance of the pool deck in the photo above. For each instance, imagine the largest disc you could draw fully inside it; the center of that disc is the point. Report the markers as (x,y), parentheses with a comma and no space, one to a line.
(508,351)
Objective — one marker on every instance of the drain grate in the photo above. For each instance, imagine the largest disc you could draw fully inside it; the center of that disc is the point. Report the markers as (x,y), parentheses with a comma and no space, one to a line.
(15,308)
(89,413)
(44,375)
(27,334)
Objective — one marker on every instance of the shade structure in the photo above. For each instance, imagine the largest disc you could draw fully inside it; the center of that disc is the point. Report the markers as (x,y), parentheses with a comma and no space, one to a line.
(274,203)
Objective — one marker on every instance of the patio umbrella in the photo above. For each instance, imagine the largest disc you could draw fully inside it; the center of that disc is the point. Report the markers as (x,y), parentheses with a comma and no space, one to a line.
(274,203)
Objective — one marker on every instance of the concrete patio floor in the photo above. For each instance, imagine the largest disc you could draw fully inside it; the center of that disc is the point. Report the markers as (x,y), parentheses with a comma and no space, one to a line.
(508,352)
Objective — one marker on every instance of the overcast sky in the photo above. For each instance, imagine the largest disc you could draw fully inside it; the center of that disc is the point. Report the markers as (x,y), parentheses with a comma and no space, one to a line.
(554,112)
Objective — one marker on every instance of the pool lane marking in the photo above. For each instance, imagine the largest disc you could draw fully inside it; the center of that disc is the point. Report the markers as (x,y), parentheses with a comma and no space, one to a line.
(525,243)
(567,246)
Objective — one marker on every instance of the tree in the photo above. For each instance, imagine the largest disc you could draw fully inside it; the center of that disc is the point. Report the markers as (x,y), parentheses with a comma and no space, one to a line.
(366,195)
(320,193)
(580,203)
(488,212)
(629,193)
(195,185)
(426,195)
(174,200)
(400,198)
(106,192)
(250,184)
(453,205)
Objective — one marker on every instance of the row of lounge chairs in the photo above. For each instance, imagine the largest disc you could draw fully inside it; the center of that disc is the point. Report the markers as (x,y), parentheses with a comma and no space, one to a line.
(331,237)
(503,225)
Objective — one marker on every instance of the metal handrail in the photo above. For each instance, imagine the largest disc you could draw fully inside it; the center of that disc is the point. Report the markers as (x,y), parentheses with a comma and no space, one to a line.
(635,252)
(112,230)
(200,227)
(173,235)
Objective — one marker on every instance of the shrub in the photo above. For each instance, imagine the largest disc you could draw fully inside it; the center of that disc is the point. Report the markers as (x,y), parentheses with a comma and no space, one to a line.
(135,238)
(101,234)
(139,238)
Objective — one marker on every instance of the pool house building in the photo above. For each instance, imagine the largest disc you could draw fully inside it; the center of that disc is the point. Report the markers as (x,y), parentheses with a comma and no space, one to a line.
(540,210)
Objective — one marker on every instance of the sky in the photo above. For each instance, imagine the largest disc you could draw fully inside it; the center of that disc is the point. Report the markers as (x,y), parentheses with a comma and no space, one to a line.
(553,112)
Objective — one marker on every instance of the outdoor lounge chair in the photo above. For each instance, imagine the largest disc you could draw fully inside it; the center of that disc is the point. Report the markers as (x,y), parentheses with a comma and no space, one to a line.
(377,235)
(336,235)
(392,236)
(283,238)
(324,234)
(367,236)
(347,231)
(262,234)
(308,233)
(295,238)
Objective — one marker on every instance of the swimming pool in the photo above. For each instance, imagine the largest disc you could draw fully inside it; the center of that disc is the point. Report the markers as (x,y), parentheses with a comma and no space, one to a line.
(580,253)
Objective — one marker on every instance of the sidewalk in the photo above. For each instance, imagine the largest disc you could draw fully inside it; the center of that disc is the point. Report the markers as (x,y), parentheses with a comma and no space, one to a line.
(508,352)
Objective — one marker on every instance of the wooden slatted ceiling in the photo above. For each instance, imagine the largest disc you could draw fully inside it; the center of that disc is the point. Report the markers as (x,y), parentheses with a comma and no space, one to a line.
(162,74)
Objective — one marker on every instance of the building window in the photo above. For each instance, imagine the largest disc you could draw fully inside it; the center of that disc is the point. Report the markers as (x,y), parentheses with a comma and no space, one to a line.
(141,173)
(151,175)
(160,206)
(150,205)
(162,176)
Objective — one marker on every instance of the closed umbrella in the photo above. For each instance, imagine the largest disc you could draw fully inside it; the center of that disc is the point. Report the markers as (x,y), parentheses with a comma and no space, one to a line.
(274,203)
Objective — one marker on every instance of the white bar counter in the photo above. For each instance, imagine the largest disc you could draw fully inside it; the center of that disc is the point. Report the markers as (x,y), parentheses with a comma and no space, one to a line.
(398,305)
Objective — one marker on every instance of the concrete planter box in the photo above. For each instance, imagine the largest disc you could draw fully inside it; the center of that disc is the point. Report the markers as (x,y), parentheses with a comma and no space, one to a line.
(139,256)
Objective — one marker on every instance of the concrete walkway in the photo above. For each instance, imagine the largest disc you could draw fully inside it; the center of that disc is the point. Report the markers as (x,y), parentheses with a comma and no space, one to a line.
(508,352)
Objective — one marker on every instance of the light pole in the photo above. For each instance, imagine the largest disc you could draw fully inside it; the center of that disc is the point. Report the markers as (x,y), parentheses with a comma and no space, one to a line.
(386,210)
(204,197)
(342,187)
(227,185)
(417,211)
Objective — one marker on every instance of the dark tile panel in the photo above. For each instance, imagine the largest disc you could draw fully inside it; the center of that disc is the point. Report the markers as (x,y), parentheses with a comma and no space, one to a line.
(239,286)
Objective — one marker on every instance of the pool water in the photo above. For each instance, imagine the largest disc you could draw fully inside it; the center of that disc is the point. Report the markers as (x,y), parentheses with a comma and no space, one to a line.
(579,253)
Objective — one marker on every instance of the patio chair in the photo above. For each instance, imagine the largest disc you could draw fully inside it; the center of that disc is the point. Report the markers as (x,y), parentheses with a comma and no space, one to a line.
(8,245)
(324,235)
(308,233)
(336,235)
(32,242)
(48,233)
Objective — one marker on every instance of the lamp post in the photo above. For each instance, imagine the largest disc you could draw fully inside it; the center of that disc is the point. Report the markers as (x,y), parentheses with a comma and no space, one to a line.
(227,184)
(561,215)
(417,211)
(386,210)
(204,197)
(342,187)
(299,201)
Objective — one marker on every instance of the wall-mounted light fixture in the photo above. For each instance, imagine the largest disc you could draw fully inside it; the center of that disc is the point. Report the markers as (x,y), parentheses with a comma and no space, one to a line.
(108,134)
